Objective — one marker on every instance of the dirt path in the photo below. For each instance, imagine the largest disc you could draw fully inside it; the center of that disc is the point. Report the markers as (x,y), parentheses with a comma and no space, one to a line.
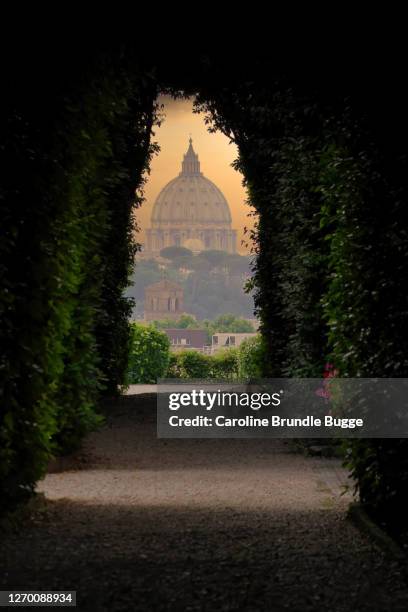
(147,524)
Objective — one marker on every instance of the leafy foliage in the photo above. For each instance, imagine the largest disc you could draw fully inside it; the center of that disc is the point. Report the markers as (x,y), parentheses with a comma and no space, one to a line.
(366,309)
(210,289)
(149,354)
(229,364)
(229,323)
(185,321)
(250,358)
(331,250)
(73,155)
(191,364)
(224,364)
(173,252)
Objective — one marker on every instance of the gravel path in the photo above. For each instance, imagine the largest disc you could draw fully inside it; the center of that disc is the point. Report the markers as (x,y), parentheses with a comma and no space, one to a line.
(138,523)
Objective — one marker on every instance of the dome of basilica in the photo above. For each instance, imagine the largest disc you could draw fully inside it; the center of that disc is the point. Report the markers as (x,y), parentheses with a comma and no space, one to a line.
(191,207)
(191,197)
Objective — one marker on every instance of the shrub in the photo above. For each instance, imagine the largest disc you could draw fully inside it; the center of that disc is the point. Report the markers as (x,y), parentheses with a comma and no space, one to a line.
(229,364)
(149,354)
(250,358)
(224,364)
(174,368)
(194,365)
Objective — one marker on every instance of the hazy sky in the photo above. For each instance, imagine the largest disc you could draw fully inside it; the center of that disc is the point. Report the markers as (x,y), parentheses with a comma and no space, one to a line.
(215,154)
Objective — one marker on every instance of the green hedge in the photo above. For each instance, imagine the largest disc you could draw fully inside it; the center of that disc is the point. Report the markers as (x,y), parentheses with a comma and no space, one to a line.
(229,364)
(72,157)
(149,354)
(225,364)
(251,356)
(366,308)
(189,364)
(332,252)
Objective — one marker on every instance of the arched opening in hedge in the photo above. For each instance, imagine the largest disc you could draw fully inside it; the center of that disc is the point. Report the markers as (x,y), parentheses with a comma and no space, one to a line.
(332,248)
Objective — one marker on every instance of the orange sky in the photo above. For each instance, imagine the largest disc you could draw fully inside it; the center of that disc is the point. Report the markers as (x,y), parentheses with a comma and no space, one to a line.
(215,154)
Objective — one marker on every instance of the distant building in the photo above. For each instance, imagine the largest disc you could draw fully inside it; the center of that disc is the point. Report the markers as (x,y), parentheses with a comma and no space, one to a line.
(190,211)
(229,340)
(163,300)
(187,339)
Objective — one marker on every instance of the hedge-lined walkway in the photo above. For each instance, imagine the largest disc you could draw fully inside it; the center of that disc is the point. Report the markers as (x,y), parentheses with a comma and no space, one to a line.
(144,524)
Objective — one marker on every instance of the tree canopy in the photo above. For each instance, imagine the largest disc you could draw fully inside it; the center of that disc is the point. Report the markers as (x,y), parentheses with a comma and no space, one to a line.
(174,252)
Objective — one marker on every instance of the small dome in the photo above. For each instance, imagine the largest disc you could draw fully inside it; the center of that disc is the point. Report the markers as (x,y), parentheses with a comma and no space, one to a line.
(194,244)
(191,197)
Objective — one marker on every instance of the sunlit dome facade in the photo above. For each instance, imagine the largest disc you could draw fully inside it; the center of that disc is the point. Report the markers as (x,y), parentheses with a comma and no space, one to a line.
(191,211)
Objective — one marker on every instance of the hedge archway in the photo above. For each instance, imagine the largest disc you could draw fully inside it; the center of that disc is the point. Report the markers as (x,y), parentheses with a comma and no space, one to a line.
(332,248)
